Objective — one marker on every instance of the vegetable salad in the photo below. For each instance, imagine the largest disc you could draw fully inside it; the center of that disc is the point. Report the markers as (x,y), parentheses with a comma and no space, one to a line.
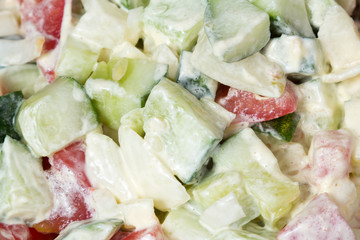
(179,120)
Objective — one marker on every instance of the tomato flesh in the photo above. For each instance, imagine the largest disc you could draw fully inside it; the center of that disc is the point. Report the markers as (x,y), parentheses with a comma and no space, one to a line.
(70,188)
(22,232)
(46,17)
(252,108)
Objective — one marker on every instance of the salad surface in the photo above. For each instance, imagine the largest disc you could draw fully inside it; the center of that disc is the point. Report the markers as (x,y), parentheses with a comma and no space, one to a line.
(179,120)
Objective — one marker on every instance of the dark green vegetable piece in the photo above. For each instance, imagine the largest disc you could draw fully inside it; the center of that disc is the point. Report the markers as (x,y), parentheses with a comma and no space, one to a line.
(9,104)
(282,128)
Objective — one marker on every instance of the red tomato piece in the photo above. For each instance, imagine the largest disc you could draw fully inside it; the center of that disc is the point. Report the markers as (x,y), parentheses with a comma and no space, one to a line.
(44,17)
(251,108)
(22,232)
(154,233)
(330,155)
(70,188)
(319,220)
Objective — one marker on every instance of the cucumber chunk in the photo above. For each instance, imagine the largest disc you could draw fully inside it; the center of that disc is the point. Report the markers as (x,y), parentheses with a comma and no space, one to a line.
(318,108)
(269,80)
(55,116)
(273,192)
(9,104)
(183,130)
(174,23)
(287,17)
(193,80)
(317,10)
(122,85)
(218,186)
(232,36)
(282,128)
(131,4)
(24,193)
(91,230)
(134,120)
(183,224)
(25,78)
(77,60)
(299,57)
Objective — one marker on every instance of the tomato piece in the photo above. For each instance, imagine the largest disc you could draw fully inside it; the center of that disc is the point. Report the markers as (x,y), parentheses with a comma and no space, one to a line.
(70,187)
(251,108)
(319,220)
(46,17)
(154,233)
(330,154)
(22,232)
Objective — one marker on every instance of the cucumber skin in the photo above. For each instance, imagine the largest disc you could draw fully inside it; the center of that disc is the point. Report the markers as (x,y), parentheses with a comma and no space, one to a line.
(9,105)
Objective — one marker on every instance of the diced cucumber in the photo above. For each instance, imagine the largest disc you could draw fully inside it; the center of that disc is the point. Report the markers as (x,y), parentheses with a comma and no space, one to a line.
(131,4)
(222,213)
(231,234)
(273,192)
(299,57)
(172,22)
(282,128)
(91,230)
(317,10)
(287,17)
(24,193)
(105,167)
(122,85)
(232,36)
(318,108)
(269,80)
(183,130)
(25,78)
(193,80)
(340,40)
(134,120)
(56,116)
(263,231)
(77,60)
(9,104)
(163,54)
(217,186)
(183,224)
(150,176)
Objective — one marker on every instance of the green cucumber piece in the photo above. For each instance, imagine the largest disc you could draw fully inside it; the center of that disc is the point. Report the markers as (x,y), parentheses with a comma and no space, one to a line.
(183,224)
(183,130)
(24,193)
(273,192)
(317,10)
(318,108)
(131,4)
(299,57)
(287,17)
(244,37)
(172,22)
(9,104)
(121,85)
(91,230)
(193,80)
(235,234)
(25,78)
(55,116)
(217,186)
(282,128)
(77,60)
(134,120)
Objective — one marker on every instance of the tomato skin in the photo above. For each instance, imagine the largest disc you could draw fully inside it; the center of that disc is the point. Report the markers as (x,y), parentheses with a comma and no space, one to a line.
(22,232)
(251,108)
(154,233)
(70,187)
